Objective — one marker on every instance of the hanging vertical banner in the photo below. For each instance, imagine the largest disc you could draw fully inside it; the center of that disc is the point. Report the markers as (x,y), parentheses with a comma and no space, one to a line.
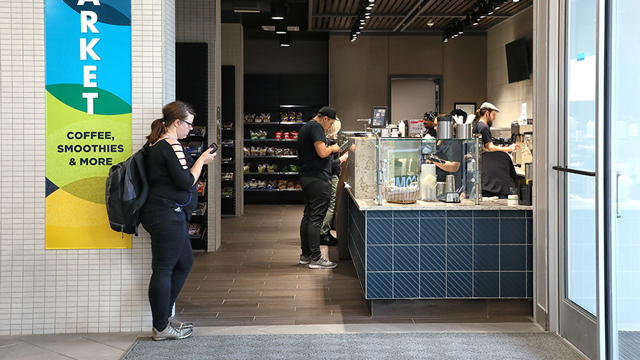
(88,117)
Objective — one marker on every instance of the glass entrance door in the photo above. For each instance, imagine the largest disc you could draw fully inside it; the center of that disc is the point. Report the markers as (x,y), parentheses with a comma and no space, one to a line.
(577,186)
(623,141)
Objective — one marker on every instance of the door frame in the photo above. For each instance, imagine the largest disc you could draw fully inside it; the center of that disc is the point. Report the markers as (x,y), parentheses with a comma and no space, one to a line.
(555,109)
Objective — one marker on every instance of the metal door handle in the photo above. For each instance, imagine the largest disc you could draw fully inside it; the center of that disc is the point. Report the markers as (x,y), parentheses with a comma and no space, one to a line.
(618,215)
(574,171)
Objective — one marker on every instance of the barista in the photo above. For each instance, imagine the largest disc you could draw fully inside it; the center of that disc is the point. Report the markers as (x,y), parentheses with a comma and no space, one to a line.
(486,115)
(447,160)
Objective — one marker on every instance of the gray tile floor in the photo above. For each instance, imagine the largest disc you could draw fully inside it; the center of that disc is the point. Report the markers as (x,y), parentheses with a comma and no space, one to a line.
(261,222)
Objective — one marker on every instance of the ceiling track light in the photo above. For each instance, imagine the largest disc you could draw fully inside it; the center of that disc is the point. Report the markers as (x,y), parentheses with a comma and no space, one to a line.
(285,40)
(278,9)
(281,27)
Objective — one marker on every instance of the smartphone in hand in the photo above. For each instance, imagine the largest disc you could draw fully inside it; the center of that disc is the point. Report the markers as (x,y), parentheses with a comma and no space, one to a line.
(213,148)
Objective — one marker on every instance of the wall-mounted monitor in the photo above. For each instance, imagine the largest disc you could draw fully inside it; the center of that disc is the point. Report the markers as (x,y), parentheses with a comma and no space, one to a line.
(518,60)
(379,117)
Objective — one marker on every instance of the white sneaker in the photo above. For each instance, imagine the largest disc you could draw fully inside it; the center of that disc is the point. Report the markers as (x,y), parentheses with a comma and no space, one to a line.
(179,324)
(171,333)
(304,260)
(322,263)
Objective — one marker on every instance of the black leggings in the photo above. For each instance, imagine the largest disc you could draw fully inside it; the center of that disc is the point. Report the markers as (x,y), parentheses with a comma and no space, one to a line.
(172,259)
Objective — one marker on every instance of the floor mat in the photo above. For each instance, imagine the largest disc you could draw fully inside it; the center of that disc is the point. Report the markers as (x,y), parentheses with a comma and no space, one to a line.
(379,346)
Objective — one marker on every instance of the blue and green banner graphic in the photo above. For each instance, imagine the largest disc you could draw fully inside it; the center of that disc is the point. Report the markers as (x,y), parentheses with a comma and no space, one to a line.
(88,116)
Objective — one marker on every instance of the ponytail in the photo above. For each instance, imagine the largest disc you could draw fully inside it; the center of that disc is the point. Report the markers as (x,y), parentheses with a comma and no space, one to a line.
(171,112)
(480,113)
(157,130)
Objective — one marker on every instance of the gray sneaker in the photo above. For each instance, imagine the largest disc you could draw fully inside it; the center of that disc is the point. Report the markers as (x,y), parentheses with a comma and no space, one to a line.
(171,333)
(304,260)
(322,263)
(179,324)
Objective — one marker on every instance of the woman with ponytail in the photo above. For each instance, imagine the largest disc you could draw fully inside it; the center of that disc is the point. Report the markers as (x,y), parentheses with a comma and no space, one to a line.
(172,177)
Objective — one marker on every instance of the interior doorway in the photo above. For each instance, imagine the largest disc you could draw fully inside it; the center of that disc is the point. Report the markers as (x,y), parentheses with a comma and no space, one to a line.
(413,95)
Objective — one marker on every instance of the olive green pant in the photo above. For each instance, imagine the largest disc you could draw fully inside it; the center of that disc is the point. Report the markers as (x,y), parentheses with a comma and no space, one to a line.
(327,223)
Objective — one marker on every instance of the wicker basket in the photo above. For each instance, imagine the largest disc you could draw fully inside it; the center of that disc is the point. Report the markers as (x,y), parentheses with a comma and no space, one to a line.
(402,195)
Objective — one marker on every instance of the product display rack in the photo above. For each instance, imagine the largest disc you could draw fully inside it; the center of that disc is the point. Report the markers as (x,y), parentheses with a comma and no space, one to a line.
(192,87)
(198,223)
(265,186)
(283,102)
(227,144)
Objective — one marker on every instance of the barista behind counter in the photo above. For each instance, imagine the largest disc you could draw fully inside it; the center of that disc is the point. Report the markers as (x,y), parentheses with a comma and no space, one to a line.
(447,159)
(486,115)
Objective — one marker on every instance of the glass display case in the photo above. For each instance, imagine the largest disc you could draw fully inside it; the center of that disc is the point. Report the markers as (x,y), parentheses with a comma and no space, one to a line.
(411,169)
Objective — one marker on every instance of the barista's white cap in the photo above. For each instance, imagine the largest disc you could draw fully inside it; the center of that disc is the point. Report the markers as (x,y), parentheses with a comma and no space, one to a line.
(489,106)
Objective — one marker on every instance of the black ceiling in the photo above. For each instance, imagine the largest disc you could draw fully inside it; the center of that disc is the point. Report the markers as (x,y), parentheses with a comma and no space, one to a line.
(387,16)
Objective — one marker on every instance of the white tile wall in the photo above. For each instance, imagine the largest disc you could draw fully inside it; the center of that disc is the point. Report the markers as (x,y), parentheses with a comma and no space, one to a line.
(508,97)
(233,54)
(68,291)
(199,21)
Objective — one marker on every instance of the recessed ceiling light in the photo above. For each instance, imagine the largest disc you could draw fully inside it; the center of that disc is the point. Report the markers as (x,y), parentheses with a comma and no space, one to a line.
(273,28)
(430,23)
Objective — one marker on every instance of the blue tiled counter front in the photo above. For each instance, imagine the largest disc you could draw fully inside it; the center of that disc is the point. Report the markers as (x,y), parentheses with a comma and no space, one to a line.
(436,253)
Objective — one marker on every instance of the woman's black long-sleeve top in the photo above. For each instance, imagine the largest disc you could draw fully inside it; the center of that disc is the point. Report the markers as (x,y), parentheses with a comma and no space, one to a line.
(335,159)
(170,183)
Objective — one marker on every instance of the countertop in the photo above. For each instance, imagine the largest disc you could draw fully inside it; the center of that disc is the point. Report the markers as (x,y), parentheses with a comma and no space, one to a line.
(500,204)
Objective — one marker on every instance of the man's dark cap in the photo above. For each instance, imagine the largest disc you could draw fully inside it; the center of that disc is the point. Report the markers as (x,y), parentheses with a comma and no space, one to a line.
(430,115)
(328,111)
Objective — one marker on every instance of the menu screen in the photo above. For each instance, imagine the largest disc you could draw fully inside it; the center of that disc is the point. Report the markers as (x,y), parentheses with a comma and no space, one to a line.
(379,117)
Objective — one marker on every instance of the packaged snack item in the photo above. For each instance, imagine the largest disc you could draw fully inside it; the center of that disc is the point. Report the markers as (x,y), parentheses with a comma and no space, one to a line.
(247,185)
(262,135)
(272,184)
(272,168)
(284,116)
(245,168)
(255,151)
(194,229)
(296,184)
(286,135)
(290,184)
(279,135)
(263,151)
(278,151)
(262,184)
(246,151)
(294,135)
(201,185)
(299,116)
(266,117)
(282,184)
(271,151)
(253,184)
(262,168)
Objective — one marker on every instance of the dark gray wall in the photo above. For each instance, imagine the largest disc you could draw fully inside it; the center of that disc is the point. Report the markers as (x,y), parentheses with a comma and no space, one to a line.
(266,56)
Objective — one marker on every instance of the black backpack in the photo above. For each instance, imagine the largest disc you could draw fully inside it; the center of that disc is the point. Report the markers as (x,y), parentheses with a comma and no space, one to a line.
(126,191)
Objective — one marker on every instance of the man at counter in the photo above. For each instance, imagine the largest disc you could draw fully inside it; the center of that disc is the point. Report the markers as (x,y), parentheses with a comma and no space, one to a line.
(486,115)
(429,119)
(315,180)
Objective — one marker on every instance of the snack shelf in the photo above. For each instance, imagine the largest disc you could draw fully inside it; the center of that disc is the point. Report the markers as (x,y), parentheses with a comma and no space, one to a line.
(273,190)
(274,123)
(271,157)
(270,173)
(270,140)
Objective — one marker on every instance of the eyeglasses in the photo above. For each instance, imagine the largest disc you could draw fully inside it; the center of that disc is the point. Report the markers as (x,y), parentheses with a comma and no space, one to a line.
(188,123)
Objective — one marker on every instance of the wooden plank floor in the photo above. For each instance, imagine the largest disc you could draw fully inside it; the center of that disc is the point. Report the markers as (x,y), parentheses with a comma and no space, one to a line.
(255,279)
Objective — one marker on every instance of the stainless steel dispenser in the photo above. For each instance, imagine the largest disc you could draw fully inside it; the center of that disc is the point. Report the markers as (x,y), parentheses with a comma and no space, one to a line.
(445,127)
